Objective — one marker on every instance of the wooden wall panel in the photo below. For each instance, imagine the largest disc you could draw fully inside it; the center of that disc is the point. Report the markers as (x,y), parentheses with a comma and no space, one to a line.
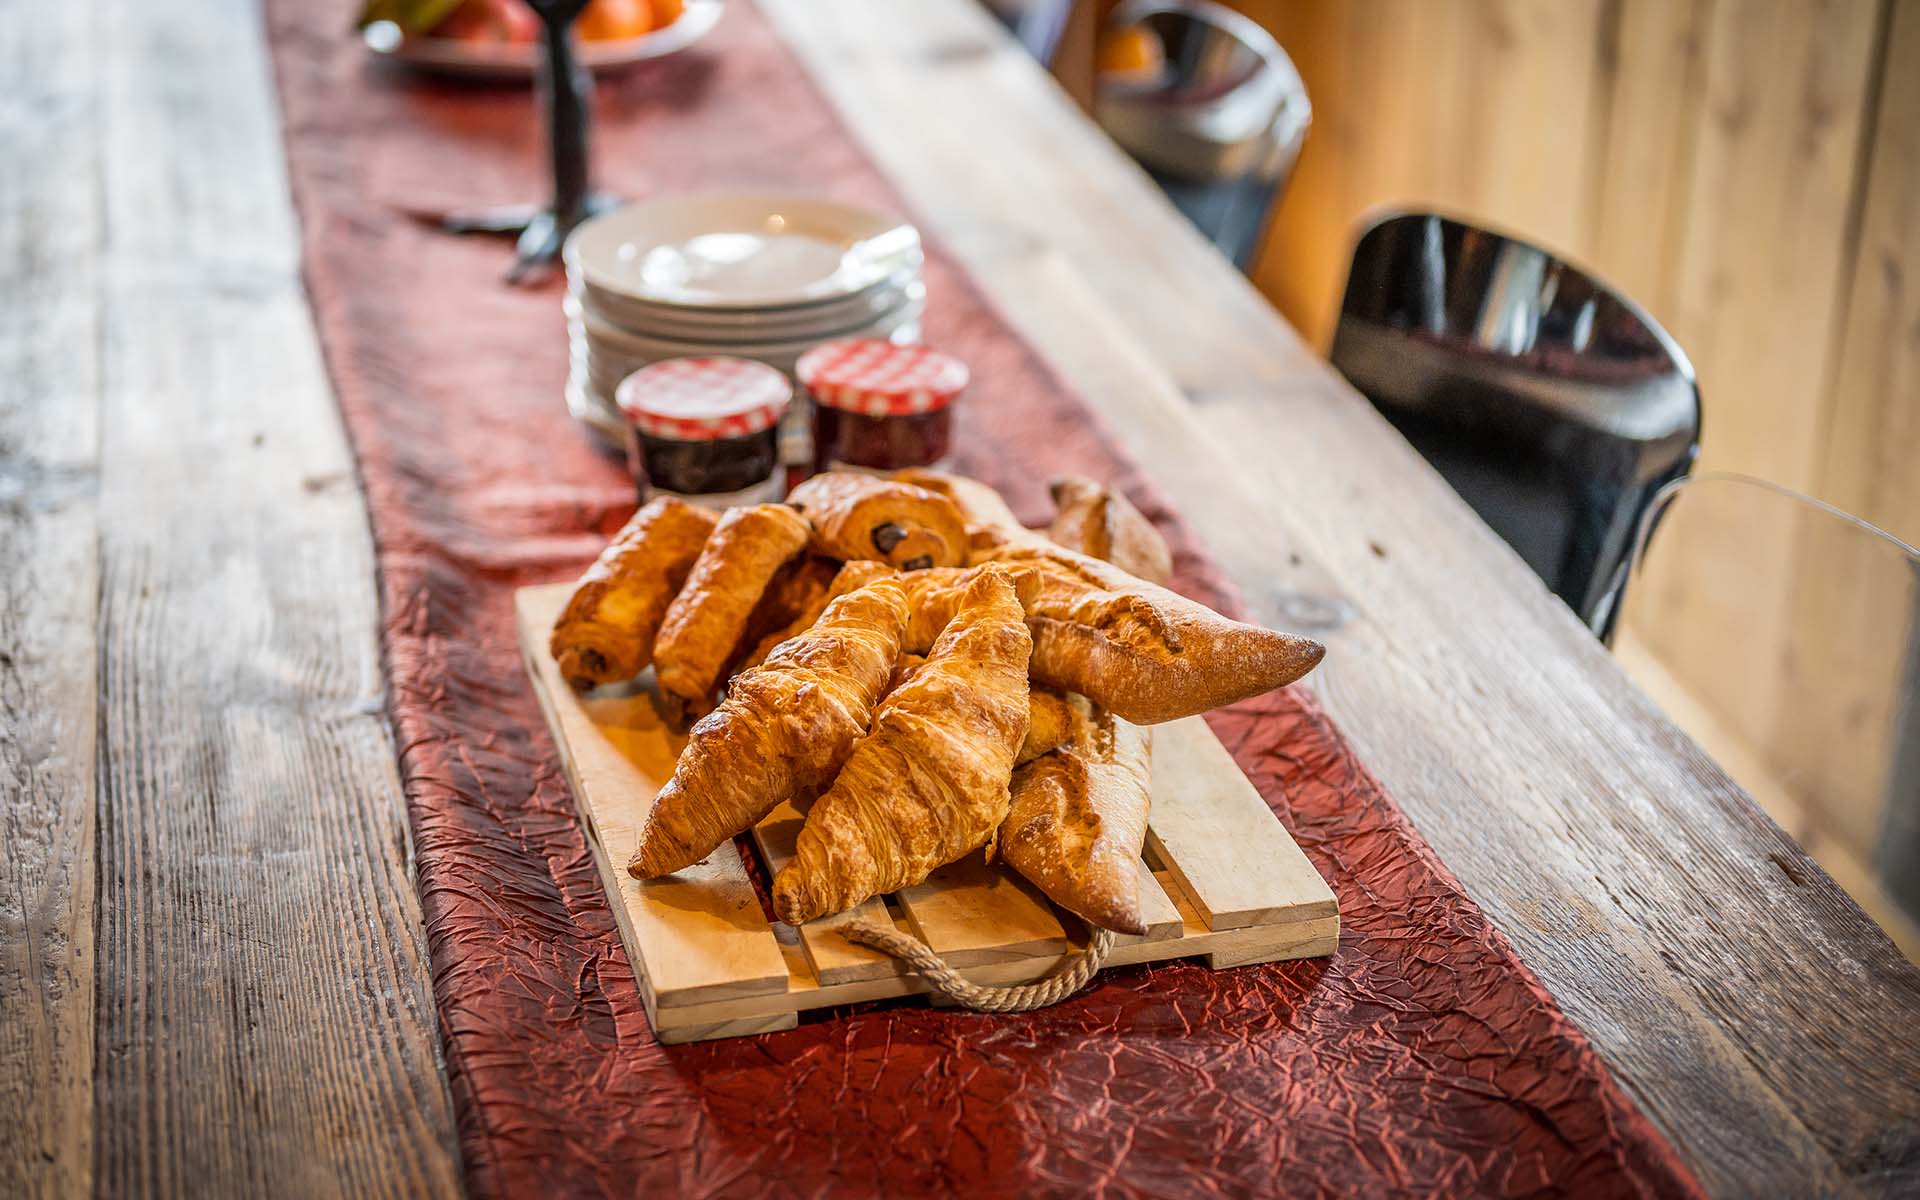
(1749,171)
(1486,108)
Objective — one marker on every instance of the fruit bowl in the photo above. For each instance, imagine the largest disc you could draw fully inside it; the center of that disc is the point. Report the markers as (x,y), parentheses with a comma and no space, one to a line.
(510,61)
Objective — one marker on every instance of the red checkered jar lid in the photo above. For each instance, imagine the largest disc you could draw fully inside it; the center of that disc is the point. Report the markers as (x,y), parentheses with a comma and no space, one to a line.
(879,379)
(704,399)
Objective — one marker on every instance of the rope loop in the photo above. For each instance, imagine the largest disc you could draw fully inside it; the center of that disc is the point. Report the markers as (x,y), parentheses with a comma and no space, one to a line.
(1069,977)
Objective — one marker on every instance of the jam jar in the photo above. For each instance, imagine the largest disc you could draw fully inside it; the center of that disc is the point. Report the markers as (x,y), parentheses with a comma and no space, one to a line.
(878,406)
(704,429)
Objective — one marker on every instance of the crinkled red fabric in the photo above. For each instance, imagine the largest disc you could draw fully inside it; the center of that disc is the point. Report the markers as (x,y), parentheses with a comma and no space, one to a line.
(1421,1058)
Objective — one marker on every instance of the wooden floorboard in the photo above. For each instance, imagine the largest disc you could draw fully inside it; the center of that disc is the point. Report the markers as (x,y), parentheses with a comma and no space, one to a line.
(49,577)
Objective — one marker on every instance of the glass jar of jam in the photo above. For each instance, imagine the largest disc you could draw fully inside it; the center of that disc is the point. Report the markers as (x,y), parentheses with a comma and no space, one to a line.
(704,429)
(878,406)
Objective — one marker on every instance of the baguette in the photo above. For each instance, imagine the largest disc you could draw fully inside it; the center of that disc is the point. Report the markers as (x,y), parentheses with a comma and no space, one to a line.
(1078,818)
(1104,524)
(1146,654)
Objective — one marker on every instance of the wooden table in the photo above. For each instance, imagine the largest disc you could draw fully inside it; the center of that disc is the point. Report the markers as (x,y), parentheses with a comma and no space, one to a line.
(214,973)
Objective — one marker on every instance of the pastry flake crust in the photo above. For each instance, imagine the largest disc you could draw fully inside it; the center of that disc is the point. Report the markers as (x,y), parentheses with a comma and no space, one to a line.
(930,780)
(607,630)
(864,516)
(706,620)
(783,731)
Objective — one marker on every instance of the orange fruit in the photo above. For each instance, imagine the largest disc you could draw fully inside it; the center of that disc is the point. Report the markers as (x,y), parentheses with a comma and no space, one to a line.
(615,20)
(1132,50)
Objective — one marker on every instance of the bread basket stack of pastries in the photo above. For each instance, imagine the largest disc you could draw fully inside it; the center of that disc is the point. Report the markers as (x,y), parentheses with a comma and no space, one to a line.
(919,672)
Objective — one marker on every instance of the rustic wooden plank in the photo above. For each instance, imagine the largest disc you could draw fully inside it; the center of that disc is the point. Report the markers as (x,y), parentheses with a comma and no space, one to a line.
(1157,909)
(832,958)
(50,236)
(973,913)
(1672,921)
(1850,608)
(264,1021)
(698,934)
(1220,842)
(1779,126)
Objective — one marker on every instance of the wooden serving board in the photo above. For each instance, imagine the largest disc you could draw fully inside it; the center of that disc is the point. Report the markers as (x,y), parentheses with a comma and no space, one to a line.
(1220,878)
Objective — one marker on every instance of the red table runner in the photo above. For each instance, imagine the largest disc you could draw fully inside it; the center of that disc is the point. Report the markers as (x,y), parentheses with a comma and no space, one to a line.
(1422,1057)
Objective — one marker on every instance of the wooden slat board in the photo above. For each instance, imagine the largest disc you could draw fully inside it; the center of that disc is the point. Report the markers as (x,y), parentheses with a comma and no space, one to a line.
(710,964)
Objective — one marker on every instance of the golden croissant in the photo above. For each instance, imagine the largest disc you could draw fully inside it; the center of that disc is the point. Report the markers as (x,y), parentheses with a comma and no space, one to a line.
(783,730)
(929,782)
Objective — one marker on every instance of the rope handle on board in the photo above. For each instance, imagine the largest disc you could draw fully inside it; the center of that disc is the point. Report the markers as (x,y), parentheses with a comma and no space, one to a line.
(949,983)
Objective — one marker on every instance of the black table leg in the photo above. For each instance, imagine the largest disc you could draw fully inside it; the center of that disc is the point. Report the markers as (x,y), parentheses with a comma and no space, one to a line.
(562,85)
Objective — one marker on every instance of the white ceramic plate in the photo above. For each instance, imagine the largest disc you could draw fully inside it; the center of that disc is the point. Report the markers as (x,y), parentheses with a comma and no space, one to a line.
(751,325)
(617,341)
(506,63)
(740,250)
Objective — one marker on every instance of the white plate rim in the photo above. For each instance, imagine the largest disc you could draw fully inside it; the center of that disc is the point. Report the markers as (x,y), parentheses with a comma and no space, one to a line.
(585,256)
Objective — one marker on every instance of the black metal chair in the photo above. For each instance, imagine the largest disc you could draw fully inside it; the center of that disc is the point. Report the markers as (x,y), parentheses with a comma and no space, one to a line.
(1555,406)
(1218,125)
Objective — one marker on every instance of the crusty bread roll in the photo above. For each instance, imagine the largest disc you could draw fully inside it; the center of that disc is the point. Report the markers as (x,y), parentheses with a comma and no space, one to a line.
(1104,524)
(858,516)
(606,632)
(707,619)
(1078,818)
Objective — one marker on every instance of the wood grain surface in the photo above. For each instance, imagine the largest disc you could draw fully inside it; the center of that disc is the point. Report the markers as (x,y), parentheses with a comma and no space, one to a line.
(214,979)
(1738,994)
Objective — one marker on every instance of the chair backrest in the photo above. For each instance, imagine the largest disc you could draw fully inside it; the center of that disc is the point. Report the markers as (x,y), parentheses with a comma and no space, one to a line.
(1785,636)
(1218,121)
(1554,405)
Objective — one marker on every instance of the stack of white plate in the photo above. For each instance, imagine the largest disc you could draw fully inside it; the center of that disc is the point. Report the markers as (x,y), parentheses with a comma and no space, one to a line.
(751,275)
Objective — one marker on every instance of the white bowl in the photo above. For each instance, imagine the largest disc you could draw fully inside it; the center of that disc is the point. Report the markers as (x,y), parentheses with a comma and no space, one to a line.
(740,250)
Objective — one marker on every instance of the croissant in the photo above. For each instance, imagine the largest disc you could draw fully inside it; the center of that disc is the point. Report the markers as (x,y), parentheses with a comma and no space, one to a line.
(706,620)
(1052,722)
(1145,653)
(1104,524)
(606,631)
(793,602)
(784,730)
(1078,818)
(929,781)
(863,516)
